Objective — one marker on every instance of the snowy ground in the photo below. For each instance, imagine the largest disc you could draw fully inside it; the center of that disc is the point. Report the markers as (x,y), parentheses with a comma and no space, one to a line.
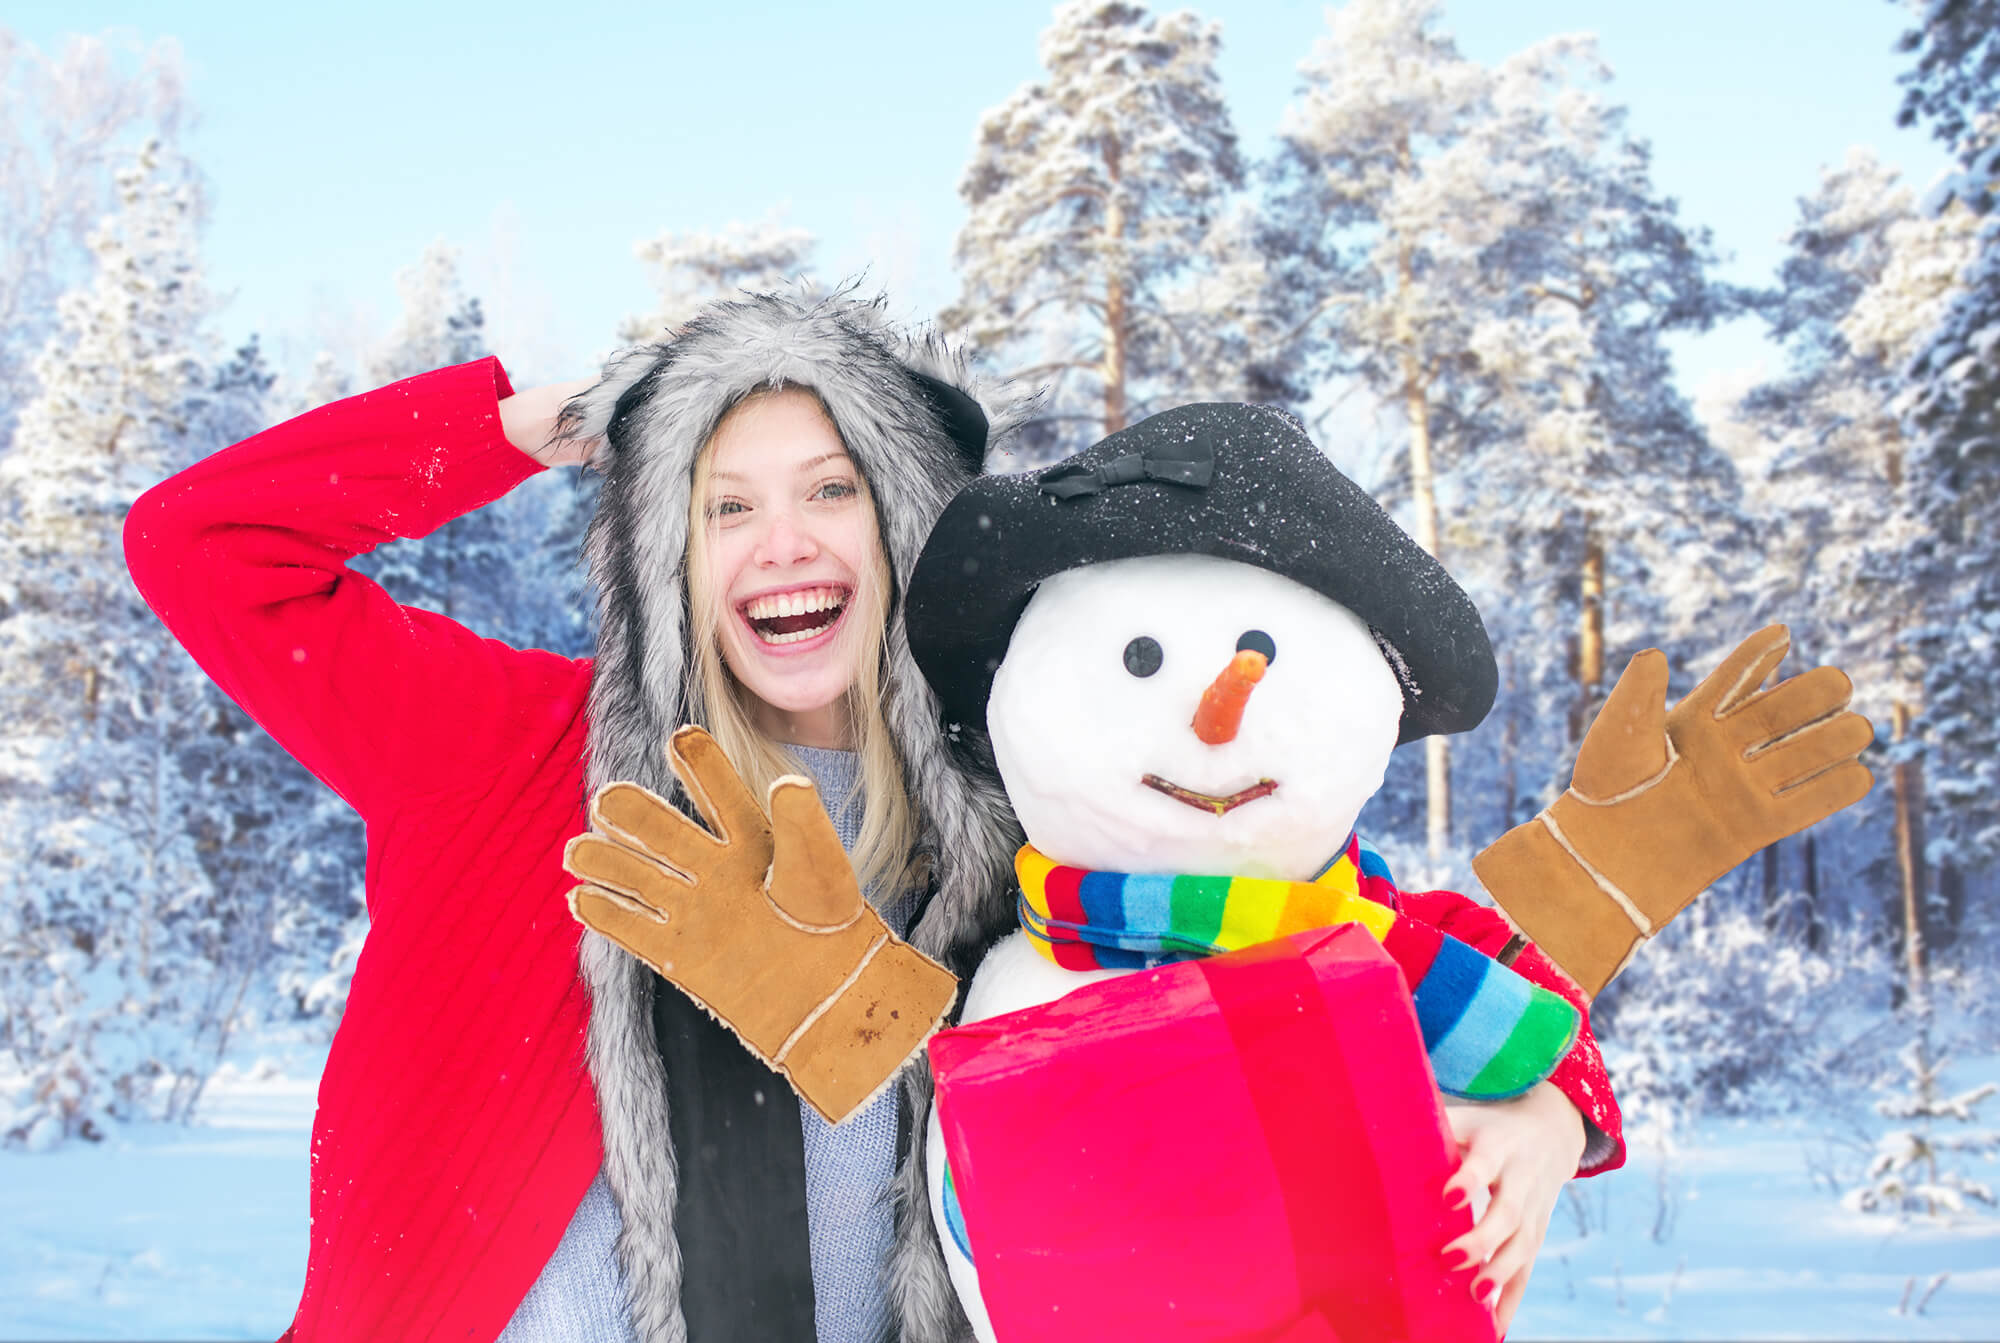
(200,1233)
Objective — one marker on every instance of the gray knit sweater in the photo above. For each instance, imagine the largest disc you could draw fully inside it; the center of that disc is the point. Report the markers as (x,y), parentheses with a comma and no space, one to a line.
(579,1298)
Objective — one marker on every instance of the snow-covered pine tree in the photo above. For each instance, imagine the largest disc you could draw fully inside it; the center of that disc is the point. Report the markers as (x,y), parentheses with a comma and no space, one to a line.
(110,920)
(1092,199)
(690,269)
(1485,250)
(67,119)
(1374,230)
(1617,520)
(1913,1171)
(1864,278)
(1952,404)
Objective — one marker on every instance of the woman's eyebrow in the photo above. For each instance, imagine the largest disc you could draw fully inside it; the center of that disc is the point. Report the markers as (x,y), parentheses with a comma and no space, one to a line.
(800,469)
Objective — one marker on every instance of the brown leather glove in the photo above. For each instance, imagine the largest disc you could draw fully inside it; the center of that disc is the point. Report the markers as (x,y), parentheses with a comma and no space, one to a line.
(760,921)
(1663,804)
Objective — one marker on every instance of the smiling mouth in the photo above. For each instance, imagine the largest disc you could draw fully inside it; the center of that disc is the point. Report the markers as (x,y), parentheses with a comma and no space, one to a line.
(793,617)
(1208,801)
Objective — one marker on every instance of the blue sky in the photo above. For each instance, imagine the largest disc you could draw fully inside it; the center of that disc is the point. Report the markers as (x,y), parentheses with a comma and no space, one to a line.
(545,140)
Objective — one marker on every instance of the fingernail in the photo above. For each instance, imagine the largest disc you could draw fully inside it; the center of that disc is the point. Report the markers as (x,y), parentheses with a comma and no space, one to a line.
(1480,1288)
(1455,1200)
(1454,1260)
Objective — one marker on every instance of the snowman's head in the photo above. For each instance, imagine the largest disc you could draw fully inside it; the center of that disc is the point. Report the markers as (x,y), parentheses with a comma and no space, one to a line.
(1094,710)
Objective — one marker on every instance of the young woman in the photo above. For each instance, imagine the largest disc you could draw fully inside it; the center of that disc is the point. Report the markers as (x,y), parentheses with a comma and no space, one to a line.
(522,1132)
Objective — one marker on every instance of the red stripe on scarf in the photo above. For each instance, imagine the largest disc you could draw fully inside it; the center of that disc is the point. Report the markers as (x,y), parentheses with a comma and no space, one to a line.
(1065,897)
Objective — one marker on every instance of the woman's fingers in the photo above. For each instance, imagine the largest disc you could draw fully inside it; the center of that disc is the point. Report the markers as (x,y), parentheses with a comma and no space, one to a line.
(1478,1157)
(1514,1259)
(1510,1301)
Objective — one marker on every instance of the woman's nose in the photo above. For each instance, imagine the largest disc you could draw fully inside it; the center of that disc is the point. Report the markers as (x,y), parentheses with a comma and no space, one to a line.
(785,542)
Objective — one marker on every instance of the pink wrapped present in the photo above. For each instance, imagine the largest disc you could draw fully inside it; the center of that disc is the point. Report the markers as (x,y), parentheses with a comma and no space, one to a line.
(1245,1147)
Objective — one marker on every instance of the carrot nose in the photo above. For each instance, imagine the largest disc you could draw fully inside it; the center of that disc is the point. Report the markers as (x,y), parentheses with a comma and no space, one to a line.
(1220,712)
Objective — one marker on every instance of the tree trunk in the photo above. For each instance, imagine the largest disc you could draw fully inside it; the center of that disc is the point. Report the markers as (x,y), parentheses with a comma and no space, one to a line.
(1908,781)
(1950,905)
(1116,318)
(1423,492)
(1809,857)
(1590,630)
(1771,888)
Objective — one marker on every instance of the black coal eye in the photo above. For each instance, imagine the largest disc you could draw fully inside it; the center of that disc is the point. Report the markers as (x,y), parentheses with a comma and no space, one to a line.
(1143,656)
(1256,641)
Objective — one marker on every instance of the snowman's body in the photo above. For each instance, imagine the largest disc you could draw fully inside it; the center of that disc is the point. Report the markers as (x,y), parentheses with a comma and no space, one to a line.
(1093,718)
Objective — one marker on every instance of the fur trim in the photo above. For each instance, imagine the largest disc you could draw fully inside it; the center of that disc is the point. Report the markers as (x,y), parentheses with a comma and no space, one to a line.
(655,408)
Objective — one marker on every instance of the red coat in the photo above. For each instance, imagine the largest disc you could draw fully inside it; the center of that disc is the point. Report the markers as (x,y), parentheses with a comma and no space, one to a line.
(457,1129)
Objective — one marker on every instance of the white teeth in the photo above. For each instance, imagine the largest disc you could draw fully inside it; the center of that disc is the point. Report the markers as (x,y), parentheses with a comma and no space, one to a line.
(793,603)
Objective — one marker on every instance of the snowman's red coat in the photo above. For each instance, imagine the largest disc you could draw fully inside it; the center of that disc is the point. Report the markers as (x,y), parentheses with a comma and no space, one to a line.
(1581,1075)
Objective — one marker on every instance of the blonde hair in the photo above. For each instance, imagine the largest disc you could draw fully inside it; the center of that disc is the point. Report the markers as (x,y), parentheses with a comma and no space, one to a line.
(883,851)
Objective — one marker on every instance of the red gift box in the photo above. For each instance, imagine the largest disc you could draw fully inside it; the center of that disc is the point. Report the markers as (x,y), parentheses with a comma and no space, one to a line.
(1245,1147)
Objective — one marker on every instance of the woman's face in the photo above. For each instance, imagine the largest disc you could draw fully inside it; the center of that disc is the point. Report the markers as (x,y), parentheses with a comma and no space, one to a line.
(791,543)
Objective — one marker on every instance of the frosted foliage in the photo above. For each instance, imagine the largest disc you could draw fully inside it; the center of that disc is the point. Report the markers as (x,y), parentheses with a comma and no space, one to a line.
(1726,1012)
(1917,1170)
(691,269)
(1075,732)
(1928,261)
(1093,260)
(1864,276)
(112,929)
(439,324)
(67,119)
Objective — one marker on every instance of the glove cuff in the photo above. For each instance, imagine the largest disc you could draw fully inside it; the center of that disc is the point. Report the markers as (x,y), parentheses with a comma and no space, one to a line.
(853,1044)
(1578,918)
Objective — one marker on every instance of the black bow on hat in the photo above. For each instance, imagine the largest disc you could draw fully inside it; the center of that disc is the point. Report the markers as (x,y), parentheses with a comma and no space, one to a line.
(1189,464)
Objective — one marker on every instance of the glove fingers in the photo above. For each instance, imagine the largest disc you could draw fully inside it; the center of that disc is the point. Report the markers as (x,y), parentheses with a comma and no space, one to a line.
(1809,751)
(1741,672)
(645,821)
(1627,744)
(1789,706)
(607,863)
(811,879)
(1823,794)
(715,787)
(632,926)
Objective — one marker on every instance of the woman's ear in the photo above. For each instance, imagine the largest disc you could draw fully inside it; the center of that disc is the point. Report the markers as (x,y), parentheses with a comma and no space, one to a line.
(600,411)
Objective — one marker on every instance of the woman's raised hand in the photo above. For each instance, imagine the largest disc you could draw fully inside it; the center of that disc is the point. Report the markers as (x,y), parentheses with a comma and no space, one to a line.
(528,418)
(1521,1152)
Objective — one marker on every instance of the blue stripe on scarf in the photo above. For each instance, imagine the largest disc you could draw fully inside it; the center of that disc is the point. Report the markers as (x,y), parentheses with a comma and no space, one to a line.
(1449,986)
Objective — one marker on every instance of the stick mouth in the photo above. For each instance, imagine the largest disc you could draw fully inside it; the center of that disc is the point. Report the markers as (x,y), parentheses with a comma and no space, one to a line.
(778,619)
(1210,802)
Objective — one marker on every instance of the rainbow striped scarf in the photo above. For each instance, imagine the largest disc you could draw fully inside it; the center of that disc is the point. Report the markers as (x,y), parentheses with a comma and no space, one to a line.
(1490,1033)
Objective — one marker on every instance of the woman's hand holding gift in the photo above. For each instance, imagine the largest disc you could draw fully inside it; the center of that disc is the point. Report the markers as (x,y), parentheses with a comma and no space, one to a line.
(1519,1153)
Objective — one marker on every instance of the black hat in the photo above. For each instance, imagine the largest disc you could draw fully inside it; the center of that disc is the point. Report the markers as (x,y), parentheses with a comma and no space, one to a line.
(1238,482)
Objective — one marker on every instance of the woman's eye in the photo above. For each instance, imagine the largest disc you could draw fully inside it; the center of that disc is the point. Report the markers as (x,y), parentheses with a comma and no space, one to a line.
(725,507)
(1256,641)
(835,489)
(1143,656)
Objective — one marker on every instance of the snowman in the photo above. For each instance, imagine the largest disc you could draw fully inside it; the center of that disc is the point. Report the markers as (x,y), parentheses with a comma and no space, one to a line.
(1193,649)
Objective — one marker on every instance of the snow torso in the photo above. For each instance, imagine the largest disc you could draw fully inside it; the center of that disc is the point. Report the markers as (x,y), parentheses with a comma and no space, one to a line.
(1112,762)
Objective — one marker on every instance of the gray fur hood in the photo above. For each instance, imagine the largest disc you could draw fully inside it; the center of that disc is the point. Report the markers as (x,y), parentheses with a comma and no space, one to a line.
(654,408)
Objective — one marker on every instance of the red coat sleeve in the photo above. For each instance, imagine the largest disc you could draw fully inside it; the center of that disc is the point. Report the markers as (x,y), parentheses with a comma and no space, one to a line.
(1581,1075)
(244,557)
